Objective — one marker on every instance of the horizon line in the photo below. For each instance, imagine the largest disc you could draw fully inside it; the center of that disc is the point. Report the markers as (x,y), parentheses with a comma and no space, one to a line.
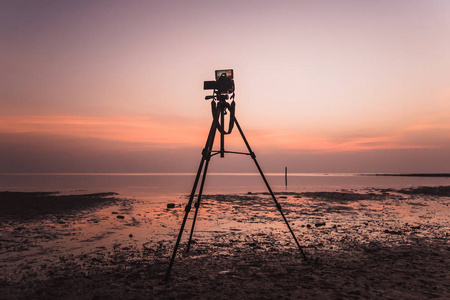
(222,174)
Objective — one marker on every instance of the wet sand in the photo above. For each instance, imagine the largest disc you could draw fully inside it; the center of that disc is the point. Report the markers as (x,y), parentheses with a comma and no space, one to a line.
(371,243)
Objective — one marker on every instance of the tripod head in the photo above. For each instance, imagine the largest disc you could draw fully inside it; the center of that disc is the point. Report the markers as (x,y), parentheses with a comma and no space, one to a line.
(223,90)
(222,87)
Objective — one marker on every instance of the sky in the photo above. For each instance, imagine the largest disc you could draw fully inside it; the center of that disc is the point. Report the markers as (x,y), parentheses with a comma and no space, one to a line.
(321,86)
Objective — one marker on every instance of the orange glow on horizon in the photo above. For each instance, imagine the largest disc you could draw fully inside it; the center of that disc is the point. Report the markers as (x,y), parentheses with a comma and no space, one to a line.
(139,131)
(143,132)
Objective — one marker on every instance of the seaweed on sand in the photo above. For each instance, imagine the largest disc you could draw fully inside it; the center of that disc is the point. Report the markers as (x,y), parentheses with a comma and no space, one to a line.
(36,204)
(428,190)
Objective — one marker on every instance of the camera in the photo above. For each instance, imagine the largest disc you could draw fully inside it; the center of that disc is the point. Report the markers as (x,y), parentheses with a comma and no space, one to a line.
(224,83)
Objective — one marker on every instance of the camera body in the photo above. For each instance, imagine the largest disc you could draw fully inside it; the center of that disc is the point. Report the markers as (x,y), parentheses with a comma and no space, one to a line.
(224,83)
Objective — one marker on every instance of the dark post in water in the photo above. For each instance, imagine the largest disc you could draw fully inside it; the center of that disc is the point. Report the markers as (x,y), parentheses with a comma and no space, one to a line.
(285,176)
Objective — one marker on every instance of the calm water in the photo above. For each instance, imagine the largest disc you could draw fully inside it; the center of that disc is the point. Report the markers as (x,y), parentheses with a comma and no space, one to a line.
(141,185)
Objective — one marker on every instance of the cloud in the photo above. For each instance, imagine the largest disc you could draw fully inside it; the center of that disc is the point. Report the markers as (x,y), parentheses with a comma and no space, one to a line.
(136,131)
(420,135)
(39,152)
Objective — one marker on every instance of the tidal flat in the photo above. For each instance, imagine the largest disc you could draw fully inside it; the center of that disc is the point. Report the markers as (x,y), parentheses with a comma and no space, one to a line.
(366,243)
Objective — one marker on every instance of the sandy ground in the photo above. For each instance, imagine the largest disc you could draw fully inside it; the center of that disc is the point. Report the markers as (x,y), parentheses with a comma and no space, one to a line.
(361,244)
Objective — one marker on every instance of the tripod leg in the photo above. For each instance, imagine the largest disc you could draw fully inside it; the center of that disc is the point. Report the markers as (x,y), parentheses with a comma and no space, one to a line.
(268,186)
(205,154)
(200,192)
(197,204)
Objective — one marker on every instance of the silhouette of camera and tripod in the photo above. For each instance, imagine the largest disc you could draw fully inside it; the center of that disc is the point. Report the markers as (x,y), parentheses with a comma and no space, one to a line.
(223,91)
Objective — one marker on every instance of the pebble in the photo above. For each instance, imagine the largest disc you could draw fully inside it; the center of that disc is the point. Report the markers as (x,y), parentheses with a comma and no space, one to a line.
(393,232)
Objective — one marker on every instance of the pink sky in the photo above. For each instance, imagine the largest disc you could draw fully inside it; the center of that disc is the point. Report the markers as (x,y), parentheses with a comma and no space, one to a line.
(321,86)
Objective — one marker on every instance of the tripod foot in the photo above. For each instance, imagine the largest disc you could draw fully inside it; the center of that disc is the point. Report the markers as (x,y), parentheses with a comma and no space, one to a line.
(166,278)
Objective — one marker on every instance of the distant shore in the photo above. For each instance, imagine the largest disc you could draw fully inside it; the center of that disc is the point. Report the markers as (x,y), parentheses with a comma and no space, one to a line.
(411,174)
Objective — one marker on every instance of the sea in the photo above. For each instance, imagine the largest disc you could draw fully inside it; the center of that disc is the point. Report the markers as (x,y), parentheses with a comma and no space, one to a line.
(169,184)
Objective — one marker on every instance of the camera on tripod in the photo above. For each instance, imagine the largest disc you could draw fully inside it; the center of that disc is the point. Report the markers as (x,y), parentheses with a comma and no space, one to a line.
(222,87)
(224,83)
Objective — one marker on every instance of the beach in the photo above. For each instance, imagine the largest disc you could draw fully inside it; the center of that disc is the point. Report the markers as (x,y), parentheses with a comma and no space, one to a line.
(359,243)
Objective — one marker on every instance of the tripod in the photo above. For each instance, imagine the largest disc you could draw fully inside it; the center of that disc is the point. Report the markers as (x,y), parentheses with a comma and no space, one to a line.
(219,110)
